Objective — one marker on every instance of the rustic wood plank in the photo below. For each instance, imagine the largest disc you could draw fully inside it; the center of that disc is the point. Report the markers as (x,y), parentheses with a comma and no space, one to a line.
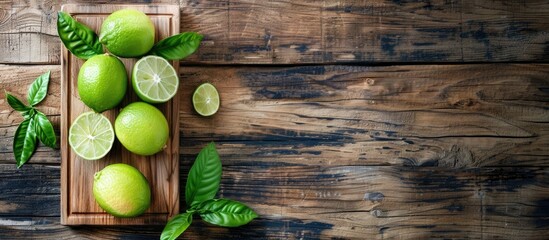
(329,31)
(28,32)
(457,116)
(368,31)
(321,202)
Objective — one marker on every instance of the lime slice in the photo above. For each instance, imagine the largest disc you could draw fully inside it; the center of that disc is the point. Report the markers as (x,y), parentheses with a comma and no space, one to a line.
(206,100)
(91,136)
(154,79)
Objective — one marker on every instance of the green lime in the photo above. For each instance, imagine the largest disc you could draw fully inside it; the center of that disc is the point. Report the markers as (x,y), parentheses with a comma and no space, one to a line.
(127,33)
(102,82)
(206,99)
(142,128)
(91,136)
(154,79)
(121,190)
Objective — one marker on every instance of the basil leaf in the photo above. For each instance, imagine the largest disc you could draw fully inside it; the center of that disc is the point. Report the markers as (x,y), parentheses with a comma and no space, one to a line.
(44,130)
(24,142)
(226,213)
(16,104)
(176,226)
(78,38)
(204,176)
(177,46)
(38,89)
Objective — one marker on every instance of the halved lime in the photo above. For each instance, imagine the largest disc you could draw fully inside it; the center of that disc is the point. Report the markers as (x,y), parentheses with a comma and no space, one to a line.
(154,79)
(206,99)
(91,136)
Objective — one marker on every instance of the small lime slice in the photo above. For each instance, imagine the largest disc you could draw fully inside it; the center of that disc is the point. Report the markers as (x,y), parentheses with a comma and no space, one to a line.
(206,100)
(154,79)
(91,136)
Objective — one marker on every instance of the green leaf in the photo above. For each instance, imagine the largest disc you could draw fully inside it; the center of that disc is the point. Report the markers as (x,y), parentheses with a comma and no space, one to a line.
(44,130)
(204,177)
(38,89)
(78,38)
(226,213)
(176,226)
(30,113)
(17,105)
(177,46)
(24,142)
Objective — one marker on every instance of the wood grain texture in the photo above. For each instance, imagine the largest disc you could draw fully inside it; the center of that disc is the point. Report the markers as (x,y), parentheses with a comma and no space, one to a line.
(78,206)
(322,202)
(328,31)
(458,116)
(338,152)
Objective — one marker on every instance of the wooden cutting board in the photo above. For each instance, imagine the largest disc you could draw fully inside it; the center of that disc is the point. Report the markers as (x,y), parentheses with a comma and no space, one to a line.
(78,206)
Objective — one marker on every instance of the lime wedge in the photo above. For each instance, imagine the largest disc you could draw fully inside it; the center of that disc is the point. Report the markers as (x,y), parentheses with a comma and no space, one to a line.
(154,79)
(206,100)
(91,136)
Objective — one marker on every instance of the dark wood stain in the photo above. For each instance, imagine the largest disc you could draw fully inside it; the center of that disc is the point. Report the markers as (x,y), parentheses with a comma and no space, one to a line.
(541,214)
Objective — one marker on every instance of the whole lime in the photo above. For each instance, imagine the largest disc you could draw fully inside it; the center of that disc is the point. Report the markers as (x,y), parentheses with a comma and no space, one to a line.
(127,33)
(102,82)
(121,190)
(141,128)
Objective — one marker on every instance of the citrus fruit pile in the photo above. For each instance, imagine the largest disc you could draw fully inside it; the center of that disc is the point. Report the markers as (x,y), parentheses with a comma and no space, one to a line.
(102,84)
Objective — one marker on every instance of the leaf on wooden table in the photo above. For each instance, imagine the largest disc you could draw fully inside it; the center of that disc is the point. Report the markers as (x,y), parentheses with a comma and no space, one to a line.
(17,105)
(24,141)
(78,38)
(44,130)
(38,89)
(226,213)
(176,226)
(177,46)
(204,177)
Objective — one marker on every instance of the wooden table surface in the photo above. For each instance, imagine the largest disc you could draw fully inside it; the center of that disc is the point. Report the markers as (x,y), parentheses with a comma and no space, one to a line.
(340,119)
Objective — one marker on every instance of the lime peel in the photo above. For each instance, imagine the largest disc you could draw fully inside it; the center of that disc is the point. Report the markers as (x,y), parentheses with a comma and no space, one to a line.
(122,190)
(127,33)
(142,128)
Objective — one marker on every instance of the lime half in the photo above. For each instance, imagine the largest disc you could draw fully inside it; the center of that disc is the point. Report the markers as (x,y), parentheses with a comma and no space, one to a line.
(154,79)
(91,136)
(206,99)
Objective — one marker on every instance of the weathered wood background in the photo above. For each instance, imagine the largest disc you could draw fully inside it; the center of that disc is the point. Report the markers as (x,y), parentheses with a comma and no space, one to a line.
(340,119)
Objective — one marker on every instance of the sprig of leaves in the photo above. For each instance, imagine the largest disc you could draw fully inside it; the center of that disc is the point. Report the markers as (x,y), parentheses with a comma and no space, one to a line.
(202,186)
(36,125)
